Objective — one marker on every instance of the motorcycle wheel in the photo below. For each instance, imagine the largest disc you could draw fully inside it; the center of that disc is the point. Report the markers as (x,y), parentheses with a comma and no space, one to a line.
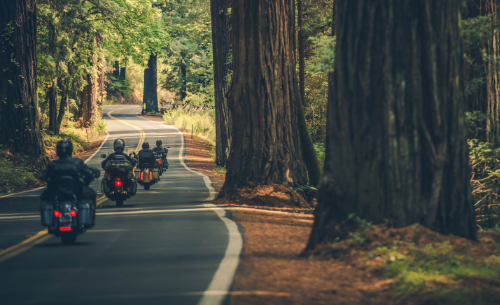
(119,202)
(146,187)
(68,239)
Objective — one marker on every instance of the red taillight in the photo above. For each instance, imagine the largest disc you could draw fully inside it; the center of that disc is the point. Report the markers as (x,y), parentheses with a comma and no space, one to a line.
(57,213)
(118,183)
(65,229)
(150,176)
(72,213)
(159,161)
(142,176)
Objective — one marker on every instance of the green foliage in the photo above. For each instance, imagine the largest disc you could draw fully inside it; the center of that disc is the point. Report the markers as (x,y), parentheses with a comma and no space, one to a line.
(485,162)
(15,174)
(324,54)
(426,268)
(188,64)
(320,152)
(119,86)
(200,121)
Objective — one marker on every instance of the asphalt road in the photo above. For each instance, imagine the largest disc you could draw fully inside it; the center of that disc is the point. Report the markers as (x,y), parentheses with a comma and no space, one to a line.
(166,245)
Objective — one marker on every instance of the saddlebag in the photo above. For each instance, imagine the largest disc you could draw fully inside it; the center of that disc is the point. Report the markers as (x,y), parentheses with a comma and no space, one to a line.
(85,212)
(46,213)
(156,174)
(146,177)
(137,173)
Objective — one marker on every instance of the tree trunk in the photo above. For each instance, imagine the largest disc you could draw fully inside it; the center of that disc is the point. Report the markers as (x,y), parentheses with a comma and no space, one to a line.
(302,63)
(62,106)
(221,47)
(183,79)
(19,120)
(266,147)
(52,96)
(396,148)
(87,102)
(116,67)
(122,72)
(151,84)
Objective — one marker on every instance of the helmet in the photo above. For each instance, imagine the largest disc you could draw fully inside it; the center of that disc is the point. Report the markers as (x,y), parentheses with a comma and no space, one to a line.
(64,148)
(158,143)
(119,145)
(145,145)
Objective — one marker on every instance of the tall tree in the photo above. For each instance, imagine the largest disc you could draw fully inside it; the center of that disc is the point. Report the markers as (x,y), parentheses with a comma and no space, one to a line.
(19,119)
(221,47)
(396,148)
(150,97)
(300,37)
(266,146)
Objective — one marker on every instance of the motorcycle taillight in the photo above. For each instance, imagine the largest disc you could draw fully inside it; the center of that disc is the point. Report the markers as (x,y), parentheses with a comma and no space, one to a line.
(118,183)
(159,161)
(150,176)
(72,213)
(57,214)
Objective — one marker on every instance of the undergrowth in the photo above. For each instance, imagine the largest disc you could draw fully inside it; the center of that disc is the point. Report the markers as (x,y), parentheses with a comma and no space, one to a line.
(15,173)
(200,121)
(422,266)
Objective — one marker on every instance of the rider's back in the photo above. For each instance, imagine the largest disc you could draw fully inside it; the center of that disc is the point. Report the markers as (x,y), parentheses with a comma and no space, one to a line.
(146,156)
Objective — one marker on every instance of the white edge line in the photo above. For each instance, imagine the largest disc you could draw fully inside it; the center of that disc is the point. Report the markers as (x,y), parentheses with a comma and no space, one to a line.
(221,282)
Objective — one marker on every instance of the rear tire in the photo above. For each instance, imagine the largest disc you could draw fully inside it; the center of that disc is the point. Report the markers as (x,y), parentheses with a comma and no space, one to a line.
(119,202)
(146,187)
(68,239)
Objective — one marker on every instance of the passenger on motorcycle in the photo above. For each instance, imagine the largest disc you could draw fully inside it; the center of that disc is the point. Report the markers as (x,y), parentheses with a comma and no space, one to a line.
(146,155)
(64,150)
(163,151)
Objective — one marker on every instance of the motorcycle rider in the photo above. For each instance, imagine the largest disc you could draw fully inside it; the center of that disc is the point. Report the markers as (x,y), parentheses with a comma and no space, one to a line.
(64,150)
(159,149)
(146,155)
(119,147)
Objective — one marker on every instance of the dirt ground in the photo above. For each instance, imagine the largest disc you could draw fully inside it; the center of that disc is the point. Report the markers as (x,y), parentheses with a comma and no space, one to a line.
(272,268)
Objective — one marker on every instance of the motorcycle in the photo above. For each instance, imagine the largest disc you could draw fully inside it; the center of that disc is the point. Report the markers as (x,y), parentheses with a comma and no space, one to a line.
(159,163)
(147,175)
(118,184)
(66,216)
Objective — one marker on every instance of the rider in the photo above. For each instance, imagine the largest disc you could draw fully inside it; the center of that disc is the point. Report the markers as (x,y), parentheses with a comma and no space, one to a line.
(163,151)
(64,150)
(146,155)
(119,147)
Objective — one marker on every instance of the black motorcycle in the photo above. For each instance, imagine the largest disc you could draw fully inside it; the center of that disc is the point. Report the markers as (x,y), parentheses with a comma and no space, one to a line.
(67,215)
(119,183)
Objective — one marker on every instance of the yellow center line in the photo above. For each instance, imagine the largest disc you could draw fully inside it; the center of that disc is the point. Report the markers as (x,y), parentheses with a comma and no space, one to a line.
(43,235)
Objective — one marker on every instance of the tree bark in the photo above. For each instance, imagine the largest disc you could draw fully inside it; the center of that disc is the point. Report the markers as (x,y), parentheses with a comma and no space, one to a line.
(221,47)
(19,119)
(87,102)
(63,105)
(122,72)
(183,79)
(302,63)
(151,84)
(396,148)
(52,96)
(266,147)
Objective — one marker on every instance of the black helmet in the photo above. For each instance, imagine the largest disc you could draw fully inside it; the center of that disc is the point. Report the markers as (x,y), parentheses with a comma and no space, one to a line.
(119,145)
(145,145)
(64,148)
(158,143)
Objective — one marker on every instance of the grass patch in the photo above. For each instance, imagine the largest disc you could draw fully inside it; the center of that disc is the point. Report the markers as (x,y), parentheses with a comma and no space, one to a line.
(200,121)
(16,173)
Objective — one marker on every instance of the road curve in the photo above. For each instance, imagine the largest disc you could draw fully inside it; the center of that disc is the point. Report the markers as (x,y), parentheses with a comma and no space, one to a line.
(166,245)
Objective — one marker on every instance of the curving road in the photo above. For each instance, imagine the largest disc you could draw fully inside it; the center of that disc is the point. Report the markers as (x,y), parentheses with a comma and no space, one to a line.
(166,245)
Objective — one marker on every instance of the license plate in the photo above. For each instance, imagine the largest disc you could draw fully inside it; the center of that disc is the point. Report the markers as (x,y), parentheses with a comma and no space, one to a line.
(64,219)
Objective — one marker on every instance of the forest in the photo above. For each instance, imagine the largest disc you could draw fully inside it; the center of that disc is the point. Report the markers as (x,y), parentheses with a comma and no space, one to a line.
(376,112)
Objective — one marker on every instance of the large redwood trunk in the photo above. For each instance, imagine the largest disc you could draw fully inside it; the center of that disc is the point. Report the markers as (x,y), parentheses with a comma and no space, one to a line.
(221,48)
(150,97)
(263,97)
(19,128)
(396,148)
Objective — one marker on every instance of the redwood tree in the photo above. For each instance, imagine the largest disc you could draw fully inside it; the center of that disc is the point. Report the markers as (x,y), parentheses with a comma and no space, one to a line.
(19,118)
(150,97)
(221,47)
(396,148)
(263,98)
